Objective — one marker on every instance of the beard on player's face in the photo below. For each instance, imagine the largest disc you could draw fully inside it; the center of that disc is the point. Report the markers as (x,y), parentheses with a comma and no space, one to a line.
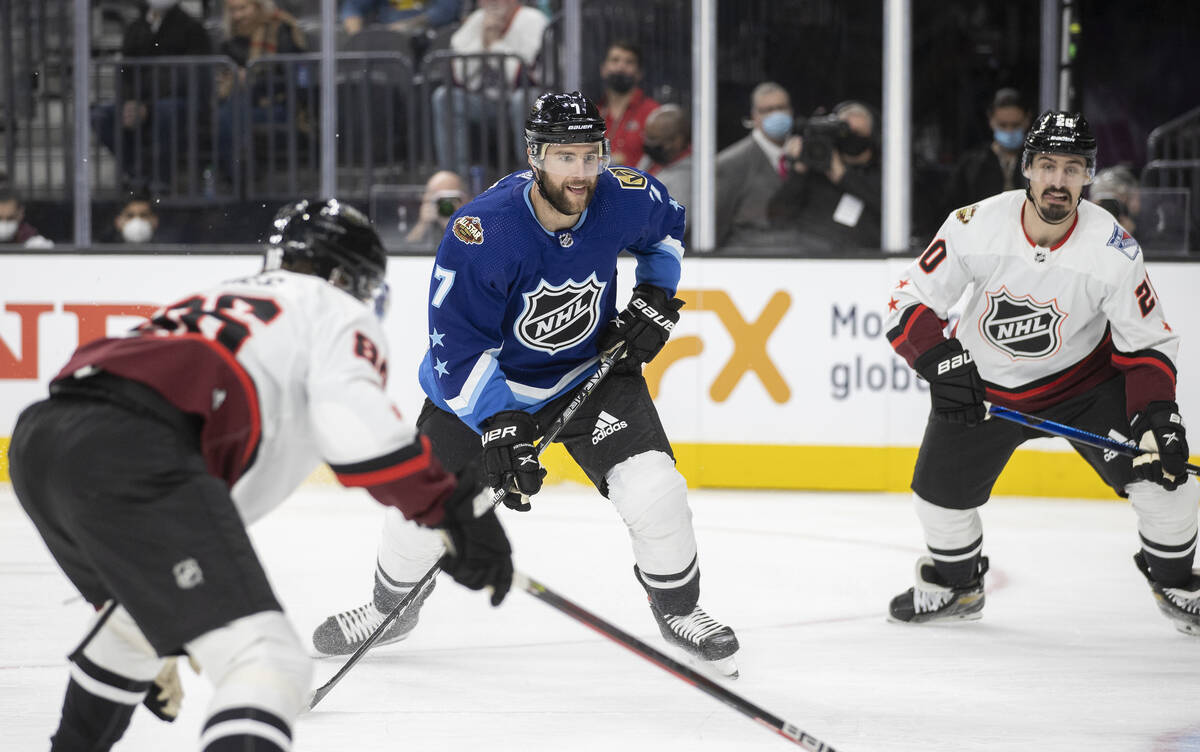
(1055,203)
(568,195)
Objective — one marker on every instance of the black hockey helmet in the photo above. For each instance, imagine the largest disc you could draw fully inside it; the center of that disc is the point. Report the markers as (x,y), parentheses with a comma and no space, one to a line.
(1061,133)
(330,240)
(559,118)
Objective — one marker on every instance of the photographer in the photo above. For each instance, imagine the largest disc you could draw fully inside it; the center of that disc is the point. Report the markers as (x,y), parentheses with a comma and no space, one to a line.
(831,195)
(443,196)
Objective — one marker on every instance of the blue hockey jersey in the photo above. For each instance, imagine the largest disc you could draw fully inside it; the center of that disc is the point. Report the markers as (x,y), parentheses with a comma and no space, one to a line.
(515,310)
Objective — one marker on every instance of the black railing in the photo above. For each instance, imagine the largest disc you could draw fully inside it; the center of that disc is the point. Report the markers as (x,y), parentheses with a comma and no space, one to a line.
(157,123)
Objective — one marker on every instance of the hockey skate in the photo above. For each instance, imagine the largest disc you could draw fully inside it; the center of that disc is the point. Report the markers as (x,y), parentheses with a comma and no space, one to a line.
(933,600)
(344,633)
(1179,604)
(702,637)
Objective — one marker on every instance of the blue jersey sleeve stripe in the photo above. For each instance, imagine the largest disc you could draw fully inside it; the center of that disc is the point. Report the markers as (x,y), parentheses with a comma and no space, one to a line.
(481,374)
(671,246)
(532,395)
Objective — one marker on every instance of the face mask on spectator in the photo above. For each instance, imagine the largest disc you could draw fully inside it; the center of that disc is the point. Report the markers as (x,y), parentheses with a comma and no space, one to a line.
(1011,140)
(621,83)
(777,125)
(657,152)
(8,229)
(136,230)
(162,5)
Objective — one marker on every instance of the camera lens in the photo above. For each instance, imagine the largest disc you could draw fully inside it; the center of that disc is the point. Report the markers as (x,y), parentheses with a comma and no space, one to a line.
(446,207)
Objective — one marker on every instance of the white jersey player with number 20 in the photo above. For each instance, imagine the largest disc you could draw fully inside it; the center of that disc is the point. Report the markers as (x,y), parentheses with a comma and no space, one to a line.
(1060,318)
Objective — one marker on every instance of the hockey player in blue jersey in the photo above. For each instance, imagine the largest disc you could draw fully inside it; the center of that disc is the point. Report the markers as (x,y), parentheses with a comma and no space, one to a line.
(521,301)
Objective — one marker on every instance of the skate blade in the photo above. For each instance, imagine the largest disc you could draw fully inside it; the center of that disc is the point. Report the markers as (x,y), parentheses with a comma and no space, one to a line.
(722,668)
(941,620)
(1188,629)
(726,667)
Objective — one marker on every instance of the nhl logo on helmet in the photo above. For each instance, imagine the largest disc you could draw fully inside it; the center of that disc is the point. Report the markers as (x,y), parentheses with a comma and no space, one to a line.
(469,230)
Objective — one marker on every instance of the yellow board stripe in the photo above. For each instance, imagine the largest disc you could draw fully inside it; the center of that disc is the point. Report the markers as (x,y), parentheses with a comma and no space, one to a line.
(842,468)
(823,468)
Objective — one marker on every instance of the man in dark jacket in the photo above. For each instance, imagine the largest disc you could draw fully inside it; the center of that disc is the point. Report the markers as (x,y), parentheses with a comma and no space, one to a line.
(146,126)
(993,167)
(831,195)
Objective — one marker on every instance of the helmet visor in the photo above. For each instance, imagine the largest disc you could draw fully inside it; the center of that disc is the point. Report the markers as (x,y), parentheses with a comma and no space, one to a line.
(565,160)
(1059,169)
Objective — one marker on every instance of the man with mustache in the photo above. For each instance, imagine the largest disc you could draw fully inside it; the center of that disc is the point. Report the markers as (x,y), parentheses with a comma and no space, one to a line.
(521,302)
(1061,320)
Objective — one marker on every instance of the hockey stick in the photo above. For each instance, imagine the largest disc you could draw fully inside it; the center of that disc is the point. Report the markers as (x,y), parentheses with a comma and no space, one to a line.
(607,359)
(1077,435)
(698,680)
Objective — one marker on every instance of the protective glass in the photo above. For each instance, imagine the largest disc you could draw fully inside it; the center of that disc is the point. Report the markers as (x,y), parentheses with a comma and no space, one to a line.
(583,160)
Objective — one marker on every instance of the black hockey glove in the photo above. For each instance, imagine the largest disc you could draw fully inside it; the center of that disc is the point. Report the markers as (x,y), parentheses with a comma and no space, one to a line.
(478,553)
(1159,431)
(644,325)
(510,460)
(955,388)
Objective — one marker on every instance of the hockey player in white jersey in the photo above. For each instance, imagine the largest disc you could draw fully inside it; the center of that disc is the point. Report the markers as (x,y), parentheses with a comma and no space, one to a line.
(1061,319)
(156,449)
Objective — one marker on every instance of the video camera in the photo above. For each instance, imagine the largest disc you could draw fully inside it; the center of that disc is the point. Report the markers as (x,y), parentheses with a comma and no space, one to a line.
(821,134)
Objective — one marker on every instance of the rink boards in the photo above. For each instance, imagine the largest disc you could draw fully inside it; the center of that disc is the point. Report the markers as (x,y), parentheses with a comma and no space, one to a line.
(779,374)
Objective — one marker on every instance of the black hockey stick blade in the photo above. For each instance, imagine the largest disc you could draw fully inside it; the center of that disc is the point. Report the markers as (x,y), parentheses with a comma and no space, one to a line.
(607,359)
(787,730)
(320,692)
(1071,433)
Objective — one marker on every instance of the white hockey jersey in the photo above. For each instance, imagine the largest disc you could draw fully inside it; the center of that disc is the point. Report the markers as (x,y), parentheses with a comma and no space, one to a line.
(285,371)
(1042,324)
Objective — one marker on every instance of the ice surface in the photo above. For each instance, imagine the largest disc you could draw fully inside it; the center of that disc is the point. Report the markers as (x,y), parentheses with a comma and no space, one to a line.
(1071,653)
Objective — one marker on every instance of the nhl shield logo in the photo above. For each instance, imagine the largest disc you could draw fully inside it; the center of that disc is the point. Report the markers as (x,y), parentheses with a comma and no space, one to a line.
(557,317)
(1020,326)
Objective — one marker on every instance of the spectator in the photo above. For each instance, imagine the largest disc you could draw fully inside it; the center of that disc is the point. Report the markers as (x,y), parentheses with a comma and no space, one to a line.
(255,29)
(832,194)
(14,230)
(136,223)
(443,196)
(668,151)
(1116,189)
(749,171)
(407,16)
(153,104)
(996,166)
(624,106)
(496,26)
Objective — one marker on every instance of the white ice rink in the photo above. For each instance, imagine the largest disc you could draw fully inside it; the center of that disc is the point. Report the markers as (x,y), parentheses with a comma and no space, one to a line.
(1071,653)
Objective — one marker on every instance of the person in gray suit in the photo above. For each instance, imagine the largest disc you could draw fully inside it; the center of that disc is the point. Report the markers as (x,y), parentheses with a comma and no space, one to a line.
(751,170)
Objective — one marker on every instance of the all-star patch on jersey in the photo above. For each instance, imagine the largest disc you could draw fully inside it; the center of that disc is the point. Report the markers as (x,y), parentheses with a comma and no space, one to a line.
(515,310)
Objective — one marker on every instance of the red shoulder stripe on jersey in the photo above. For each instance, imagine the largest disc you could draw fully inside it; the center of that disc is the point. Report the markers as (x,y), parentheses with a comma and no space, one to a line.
(407,461)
